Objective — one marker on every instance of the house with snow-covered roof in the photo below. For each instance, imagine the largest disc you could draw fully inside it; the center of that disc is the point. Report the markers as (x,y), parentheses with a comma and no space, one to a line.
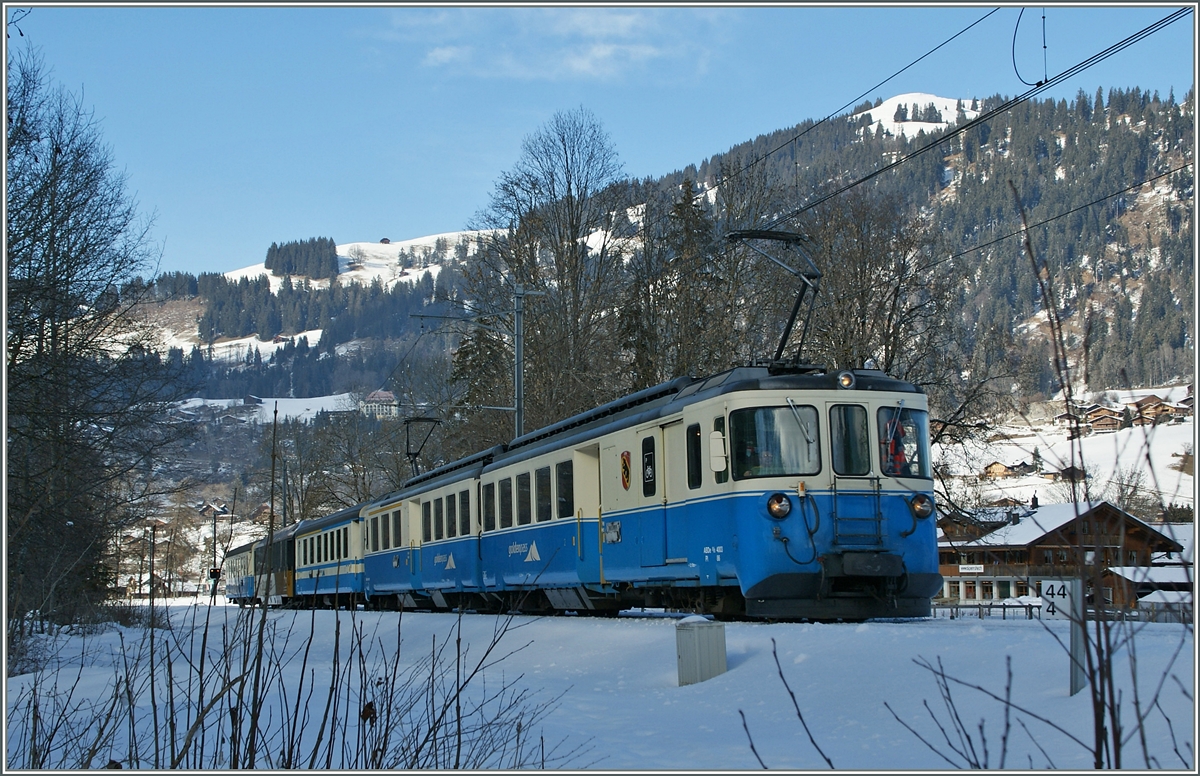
(1052,542)
(1185,535)
(1147,410)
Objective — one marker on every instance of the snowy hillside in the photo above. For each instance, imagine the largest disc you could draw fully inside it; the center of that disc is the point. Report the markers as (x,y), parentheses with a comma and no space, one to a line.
(403,261)
(884,114)
(364,262)
(1103,456)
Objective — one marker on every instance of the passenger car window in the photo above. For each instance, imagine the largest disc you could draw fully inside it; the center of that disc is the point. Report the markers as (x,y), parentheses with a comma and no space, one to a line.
(542,483)
(565,472)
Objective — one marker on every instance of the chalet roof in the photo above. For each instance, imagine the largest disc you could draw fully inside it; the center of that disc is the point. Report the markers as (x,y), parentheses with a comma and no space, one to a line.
(1032,525)
(1184,533)
(1146,400)
(1167,597)
(1158,575)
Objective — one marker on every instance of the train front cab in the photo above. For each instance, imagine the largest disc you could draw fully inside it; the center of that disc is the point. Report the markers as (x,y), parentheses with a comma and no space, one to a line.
(833,506)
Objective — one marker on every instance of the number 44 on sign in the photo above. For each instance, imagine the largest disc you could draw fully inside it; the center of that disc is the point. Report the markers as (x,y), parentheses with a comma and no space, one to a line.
(1056,599)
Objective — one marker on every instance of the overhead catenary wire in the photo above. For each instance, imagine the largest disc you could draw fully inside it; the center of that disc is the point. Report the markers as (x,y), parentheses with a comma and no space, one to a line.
(1016,27)
(981,119)
(894,75)
(989,115)
(547,345)
(1065,213)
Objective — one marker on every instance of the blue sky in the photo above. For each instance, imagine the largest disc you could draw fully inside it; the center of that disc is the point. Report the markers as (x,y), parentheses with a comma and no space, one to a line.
(240,126)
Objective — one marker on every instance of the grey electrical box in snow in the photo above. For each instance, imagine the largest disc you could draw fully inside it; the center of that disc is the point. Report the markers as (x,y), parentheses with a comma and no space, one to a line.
(700,644)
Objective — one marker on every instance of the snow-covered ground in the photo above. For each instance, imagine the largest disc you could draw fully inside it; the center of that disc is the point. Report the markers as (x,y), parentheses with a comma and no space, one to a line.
(289,409)
(236,350)
(616,681)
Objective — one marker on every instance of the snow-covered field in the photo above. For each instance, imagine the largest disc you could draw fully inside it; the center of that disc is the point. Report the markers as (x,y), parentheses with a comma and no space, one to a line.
(616,682)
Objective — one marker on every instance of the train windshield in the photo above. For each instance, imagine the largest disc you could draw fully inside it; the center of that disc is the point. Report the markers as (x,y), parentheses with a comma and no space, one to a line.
(774,441)
(904,442)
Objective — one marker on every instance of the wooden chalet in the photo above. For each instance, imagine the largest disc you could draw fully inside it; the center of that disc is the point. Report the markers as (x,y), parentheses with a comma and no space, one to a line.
(1148,410)
(1053,542)
(1067,419)
(1101,418)
(1067,474)
(996,470)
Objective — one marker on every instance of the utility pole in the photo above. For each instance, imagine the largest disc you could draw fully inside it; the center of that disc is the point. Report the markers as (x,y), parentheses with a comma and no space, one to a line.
(518,408)
(519,294)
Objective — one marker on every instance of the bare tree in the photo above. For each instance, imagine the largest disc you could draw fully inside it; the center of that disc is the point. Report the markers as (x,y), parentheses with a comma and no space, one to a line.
(550,227)
(889,293)
(85,389)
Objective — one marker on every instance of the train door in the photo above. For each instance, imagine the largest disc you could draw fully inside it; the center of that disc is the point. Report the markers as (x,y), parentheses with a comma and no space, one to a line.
(856,513)
(674,490)
(582,479)
(652,516)
(413,531)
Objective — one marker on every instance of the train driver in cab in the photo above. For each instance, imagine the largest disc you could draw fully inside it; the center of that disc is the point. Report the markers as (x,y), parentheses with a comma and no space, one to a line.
(895,461)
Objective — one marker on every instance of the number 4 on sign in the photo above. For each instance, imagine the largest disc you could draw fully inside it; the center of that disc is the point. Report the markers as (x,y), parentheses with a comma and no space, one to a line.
(1064,601)
(1056,600)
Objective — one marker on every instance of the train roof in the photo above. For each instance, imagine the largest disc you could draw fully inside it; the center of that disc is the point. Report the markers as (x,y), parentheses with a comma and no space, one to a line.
(669,398)
(762,378)
(644,406)
(624,406)
(436,477)
(317,523)
(241,548)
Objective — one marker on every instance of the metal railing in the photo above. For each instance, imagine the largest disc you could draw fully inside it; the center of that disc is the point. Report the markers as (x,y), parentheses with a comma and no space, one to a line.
(1146,612)
(981,610)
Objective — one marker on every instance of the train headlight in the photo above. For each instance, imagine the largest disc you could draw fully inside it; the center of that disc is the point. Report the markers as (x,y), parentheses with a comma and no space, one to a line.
(921,505)
(779,506)
(845,379)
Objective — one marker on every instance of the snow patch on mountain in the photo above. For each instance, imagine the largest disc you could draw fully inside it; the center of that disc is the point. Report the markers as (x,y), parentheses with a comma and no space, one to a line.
(884,114)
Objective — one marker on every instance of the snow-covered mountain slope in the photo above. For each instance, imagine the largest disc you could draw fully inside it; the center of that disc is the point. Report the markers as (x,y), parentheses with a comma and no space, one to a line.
(403,261)
(885,113)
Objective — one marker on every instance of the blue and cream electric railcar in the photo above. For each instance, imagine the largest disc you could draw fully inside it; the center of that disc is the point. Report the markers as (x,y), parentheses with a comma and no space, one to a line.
(784,494)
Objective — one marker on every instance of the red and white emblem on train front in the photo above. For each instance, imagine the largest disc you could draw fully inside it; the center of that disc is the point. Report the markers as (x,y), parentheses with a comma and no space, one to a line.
(625,468)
